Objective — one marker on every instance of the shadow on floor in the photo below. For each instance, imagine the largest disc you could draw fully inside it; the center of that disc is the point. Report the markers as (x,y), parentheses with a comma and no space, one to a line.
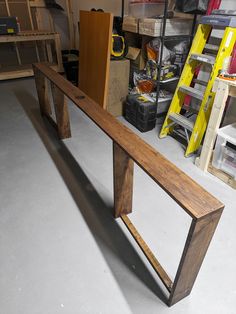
(98,216)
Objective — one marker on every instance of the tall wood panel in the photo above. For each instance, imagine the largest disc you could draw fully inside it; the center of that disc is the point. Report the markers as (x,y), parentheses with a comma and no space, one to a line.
(95,50)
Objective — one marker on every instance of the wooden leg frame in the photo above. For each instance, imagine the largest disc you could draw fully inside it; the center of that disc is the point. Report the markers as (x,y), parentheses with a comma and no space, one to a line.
(60,105)
(198,240)
(128,148)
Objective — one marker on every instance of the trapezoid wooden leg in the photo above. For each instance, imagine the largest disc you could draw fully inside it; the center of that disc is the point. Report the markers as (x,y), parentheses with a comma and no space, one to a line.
(62,114)
(123,181)
(42,91)
(197,243)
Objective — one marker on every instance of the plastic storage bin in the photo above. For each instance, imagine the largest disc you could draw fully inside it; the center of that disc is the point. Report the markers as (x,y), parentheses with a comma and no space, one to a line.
(224,157)
(148,8)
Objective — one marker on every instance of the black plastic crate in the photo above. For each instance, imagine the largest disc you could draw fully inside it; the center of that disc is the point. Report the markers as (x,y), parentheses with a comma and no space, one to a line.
(140,112)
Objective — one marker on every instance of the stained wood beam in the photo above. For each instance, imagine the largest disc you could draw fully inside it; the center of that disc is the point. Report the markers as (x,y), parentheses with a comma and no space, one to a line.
(195,200)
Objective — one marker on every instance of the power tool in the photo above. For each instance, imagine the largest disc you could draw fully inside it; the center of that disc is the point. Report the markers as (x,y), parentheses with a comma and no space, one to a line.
(9,25)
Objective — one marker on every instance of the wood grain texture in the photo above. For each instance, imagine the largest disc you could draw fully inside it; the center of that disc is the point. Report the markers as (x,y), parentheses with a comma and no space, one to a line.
(198,240)
(223,89)
(148,253)
(24,71)
(123,181)
(42,91)
(223,176)
(38,37)
(62,114)
(28,36)
(57,40)
(128,148)
(95,51)
(196,201)
(217,112)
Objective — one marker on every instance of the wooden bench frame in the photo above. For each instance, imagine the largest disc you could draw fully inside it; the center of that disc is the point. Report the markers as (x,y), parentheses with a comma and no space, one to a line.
(204,209)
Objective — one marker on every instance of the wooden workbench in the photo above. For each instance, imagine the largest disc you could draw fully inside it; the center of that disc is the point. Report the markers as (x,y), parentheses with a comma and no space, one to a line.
(22,70)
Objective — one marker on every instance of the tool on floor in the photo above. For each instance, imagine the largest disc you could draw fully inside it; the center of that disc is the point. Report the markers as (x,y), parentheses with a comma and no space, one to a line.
(195,128)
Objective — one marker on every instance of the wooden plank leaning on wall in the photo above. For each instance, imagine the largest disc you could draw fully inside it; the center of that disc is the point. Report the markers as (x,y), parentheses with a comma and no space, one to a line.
(95,51)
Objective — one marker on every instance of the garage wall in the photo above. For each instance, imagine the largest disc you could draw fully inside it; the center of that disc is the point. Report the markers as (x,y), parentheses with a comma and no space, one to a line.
(113,6)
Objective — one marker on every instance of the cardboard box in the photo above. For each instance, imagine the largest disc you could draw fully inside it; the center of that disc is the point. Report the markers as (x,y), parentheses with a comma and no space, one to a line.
(174,27)
(130,24)
(136,57)
(137,61)
(118,86)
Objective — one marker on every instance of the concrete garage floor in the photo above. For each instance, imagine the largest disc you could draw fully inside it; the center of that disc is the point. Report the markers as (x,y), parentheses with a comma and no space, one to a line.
(60,249)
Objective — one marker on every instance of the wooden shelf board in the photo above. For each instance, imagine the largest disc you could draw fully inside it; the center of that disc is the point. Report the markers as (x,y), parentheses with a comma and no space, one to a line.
(14,72)
(226,178)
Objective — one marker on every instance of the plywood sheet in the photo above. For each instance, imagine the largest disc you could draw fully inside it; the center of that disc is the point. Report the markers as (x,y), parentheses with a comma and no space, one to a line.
(95,49)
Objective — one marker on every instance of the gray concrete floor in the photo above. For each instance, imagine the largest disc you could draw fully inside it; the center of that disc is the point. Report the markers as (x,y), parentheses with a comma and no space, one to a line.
(60,249)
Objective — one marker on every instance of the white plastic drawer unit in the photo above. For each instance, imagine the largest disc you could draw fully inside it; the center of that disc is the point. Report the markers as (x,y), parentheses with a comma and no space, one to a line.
(224,156)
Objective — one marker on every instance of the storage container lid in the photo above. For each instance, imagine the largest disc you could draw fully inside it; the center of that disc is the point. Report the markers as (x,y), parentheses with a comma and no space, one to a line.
(147,1)
(229,133)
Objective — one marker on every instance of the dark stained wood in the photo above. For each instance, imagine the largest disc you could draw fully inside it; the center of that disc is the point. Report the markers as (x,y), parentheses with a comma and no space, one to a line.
(123,181)
(199,238)
(196,201)
(148,253)
(61,111)
(128,148)
(42,91)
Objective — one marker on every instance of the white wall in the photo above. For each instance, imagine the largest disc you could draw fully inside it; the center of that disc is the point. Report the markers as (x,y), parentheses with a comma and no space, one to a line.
(113,6)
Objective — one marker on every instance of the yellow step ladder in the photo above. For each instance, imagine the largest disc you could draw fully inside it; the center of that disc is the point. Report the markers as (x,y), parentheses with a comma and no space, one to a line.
(195,129)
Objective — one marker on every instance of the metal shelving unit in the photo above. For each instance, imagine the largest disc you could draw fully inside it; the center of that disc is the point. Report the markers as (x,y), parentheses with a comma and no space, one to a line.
(159,62)
(163,40)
